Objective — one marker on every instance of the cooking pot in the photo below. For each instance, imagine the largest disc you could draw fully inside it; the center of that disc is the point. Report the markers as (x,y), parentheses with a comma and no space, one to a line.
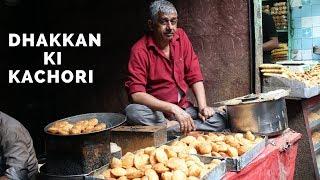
(79,154)
(264,116)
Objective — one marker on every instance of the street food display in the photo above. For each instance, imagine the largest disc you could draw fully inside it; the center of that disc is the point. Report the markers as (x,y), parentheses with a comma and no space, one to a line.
(63,127)
(281,53)
(181,158)
(316,137)
(309,78)
(279,14)
(166,162)
(221,145)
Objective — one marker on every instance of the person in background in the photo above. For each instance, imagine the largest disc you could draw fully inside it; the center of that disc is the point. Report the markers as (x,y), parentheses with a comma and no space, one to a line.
(162,66)
(270,37)
(17,156)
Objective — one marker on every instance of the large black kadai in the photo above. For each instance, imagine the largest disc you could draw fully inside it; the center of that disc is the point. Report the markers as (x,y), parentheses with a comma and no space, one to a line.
(75,156)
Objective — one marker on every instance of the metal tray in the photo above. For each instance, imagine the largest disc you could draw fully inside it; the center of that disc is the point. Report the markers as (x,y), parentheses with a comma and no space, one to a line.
(238,163)
(112,120)
(215,174)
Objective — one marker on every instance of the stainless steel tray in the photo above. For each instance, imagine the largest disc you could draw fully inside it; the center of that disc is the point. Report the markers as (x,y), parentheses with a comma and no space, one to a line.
(237,164)
(215,174)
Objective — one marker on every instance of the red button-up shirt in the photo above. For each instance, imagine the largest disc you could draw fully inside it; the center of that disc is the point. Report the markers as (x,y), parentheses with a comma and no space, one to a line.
(151,72)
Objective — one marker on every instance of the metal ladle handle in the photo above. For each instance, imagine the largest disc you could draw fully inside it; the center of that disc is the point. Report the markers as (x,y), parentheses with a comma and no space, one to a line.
(249,97)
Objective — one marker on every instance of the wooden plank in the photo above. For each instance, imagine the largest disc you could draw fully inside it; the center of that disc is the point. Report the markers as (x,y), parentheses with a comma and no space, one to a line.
(132,138)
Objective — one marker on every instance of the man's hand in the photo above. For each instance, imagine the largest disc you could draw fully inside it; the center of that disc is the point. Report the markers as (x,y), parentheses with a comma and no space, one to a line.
(3,178)
(184,119)
(205,113)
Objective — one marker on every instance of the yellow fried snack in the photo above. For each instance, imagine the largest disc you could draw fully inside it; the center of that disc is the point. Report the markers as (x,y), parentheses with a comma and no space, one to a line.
(88,129)
(118,172)
(194,170)
(232,152)
(151,174)
(140,160)
(238,136)
(174,163)
(223,147)
(152,158)
(161,156)
(177,149)
(204,148)
(93,122)
(53,130)
(183,155)
(134,173)
(63,132)
(123,178)
(144,168)
(107,174)
(160,168)
(249,136)
(99,127)
(127,160)
(201,139)
(170,153)
(190,163)
(272,70)
(243,149)
(229,139)
(272,66)
(178,175)
(179,143)
(75,130)
(245,141)
(115,163)
(188,139)
(148,150)
(191,150)
(144,178)
(193,158)
(166,175)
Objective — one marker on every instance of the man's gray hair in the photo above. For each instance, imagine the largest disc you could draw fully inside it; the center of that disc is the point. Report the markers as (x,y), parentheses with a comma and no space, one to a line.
(162,6)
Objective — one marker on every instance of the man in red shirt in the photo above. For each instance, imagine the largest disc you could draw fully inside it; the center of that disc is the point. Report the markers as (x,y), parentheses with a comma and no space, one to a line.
(162,66)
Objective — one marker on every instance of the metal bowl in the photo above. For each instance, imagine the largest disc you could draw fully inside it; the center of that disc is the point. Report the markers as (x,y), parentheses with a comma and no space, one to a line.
(112,120)
(73,155)
(264,118)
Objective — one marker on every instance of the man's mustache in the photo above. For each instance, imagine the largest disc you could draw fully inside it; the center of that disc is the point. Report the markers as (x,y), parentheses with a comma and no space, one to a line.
(169,32)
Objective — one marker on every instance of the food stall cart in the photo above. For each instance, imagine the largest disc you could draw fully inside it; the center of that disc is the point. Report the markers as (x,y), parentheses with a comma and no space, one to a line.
(205,155)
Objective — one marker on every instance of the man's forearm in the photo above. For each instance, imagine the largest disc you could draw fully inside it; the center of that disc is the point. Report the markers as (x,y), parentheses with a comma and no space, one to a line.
(199,92)
(271,44)
(154,103)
